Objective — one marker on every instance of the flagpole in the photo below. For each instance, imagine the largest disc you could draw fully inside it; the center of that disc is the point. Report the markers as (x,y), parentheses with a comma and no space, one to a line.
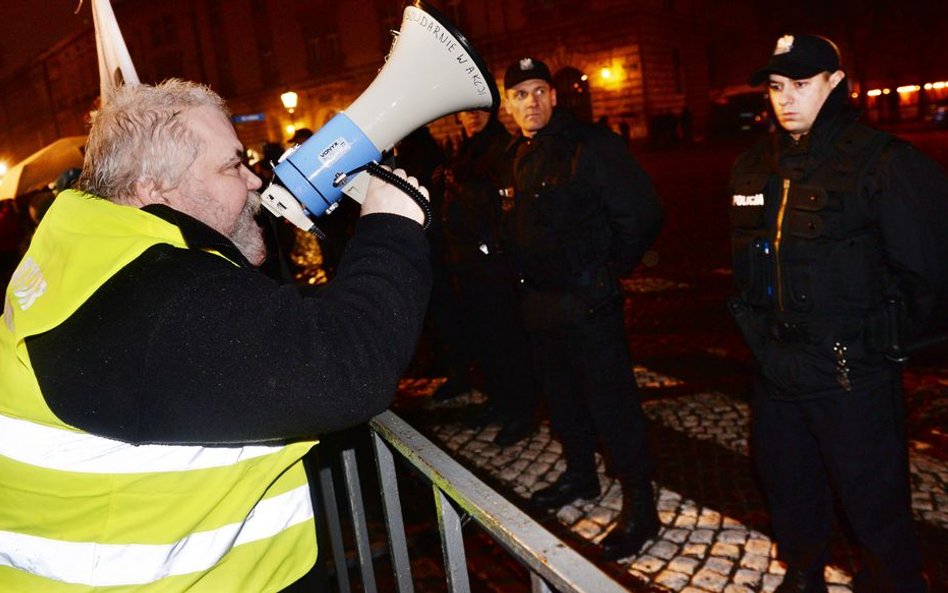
(115,63)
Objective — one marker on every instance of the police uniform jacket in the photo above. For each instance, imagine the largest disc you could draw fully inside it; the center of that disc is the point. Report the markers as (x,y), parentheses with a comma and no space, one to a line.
(840,250)
(583,213)
(472,202)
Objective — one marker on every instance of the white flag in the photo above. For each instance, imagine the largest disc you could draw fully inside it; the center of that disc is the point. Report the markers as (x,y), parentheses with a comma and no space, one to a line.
(115,65)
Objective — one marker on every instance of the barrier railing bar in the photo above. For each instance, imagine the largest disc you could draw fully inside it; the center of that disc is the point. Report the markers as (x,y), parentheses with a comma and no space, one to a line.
(452,544)
(363,545)
(394,522)
(538,585)
(558,564)
(331,508)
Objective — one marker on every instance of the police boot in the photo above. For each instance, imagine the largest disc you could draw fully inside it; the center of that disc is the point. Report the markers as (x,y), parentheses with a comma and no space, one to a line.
(805,564)
(637,523)
(796,581)
(569,487)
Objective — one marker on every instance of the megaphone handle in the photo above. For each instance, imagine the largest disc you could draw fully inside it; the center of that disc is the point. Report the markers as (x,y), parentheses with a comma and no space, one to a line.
(376,170)
(280,202)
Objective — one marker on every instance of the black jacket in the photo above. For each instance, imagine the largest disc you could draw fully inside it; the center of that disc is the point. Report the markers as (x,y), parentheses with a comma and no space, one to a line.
(826,231)
(472,203)
(581,202)
(181,346)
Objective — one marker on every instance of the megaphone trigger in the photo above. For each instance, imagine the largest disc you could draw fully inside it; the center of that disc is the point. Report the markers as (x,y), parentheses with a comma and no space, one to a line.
(356,186)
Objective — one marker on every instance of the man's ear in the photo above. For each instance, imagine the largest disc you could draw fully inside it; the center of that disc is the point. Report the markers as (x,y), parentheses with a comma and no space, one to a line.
(553,96)
(147,192)
(837,77)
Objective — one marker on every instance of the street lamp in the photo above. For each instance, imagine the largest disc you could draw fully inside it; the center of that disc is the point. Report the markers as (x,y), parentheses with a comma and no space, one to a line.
(290,100)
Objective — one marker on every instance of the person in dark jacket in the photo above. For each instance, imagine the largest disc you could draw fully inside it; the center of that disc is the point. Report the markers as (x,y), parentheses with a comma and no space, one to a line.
(482,274)
(581,214)
(420,152)
(840,253)
(163,390)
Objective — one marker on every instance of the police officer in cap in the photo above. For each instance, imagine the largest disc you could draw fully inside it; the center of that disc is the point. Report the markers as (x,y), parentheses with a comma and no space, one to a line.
(581,214)
(840,252)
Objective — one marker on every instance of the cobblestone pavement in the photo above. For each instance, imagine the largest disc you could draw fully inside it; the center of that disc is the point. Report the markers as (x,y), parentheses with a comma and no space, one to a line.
(721,419)
(694,373)
(699,549)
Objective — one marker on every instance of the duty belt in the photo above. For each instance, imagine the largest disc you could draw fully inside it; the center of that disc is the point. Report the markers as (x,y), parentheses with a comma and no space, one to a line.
(786,332)
(870,331)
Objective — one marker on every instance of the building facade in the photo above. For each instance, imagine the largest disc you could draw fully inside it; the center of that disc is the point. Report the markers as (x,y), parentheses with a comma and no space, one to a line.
(635,64)
(625,61)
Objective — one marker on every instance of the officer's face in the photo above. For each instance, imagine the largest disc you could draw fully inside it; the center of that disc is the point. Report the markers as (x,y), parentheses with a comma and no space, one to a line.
(796,103)
(473,121)
(531,104)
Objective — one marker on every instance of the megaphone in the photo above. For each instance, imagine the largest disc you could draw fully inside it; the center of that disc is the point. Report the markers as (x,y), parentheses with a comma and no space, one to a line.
(431,71)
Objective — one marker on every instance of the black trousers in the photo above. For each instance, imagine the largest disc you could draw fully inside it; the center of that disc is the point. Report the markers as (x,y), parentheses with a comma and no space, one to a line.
(446,324)
(852,443)
(491,312)
(586,372)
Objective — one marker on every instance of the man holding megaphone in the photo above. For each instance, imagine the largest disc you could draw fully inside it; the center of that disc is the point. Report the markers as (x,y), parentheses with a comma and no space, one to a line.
(157,393)
(431,71)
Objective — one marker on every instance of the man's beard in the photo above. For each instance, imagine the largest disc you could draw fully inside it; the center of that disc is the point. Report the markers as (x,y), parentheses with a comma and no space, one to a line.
(247,235)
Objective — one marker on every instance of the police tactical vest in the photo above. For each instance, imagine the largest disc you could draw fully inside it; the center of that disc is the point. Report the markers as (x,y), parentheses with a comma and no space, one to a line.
(81,513)
(804,241)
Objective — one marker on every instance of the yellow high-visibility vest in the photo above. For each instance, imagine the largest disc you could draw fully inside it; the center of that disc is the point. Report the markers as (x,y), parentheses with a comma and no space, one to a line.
(80,512)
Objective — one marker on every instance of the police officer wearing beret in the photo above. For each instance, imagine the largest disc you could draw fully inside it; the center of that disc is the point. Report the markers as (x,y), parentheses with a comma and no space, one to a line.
(840,251)
(580,214)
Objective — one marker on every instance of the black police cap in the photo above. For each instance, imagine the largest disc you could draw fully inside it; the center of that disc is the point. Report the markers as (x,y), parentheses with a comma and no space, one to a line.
(798,57)
(526,69)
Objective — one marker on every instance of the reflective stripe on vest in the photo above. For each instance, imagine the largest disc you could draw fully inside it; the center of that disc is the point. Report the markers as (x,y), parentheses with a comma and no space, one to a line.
(137,564)
(66,450)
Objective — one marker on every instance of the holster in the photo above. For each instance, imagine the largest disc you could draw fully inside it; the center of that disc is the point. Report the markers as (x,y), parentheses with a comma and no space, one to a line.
(545,308)
(741,313)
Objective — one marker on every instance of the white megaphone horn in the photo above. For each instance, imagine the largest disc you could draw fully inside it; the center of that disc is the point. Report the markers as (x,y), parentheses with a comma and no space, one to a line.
(431,71)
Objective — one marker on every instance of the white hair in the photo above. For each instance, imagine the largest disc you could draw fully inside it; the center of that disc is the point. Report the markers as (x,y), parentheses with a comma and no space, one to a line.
(140,137)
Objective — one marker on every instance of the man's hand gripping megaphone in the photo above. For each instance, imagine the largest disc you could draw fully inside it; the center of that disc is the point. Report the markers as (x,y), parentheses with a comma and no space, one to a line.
(377,187)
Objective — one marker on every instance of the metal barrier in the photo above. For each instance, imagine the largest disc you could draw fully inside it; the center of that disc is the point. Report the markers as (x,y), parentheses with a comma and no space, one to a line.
(551,562)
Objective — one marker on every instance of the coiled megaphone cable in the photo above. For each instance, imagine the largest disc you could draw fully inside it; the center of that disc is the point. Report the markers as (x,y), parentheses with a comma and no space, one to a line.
(376,170)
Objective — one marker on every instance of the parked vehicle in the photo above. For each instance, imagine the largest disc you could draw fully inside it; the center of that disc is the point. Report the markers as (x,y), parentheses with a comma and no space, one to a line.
(740,114)
(939,114)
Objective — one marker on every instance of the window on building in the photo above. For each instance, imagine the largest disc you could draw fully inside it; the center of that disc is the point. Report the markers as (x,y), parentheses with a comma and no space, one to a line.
(676,69)
(163,31)
(452,9)
(572,93)
(545,4)
(322,52)
(547,9)
(224,83)
(390,20)
(165,60)
(168,65)
(263,35)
